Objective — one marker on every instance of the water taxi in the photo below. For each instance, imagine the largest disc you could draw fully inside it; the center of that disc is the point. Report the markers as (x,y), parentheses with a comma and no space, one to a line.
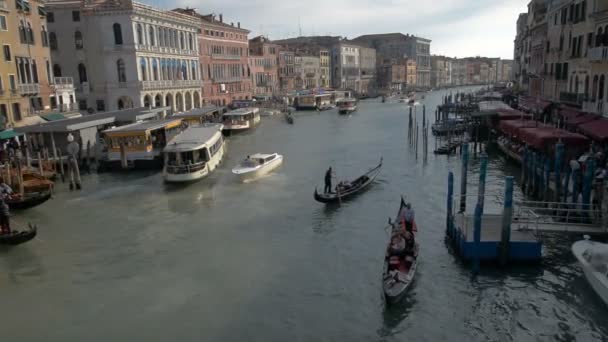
(241,119)
(593,258)
(257,165)
(139,145)
(347,105)
(194,153)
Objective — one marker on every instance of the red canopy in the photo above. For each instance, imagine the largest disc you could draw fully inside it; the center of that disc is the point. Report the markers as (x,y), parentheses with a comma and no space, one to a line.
(512,114)
(512,127)
(596,130)
(533,104)
(569,113)
(542,138)
(581,119)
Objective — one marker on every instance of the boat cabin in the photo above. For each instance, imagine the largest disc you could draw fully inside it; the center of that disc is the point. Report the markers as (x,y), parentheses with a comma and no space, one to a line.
(241,119)
(197,116)
(313,101)
(141,140)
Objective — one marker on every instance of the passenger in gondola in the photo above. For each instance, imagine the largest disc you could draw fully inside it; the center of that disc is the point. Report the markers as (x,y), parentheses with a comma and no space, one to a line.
(407,217)
(329,174)
(398,246)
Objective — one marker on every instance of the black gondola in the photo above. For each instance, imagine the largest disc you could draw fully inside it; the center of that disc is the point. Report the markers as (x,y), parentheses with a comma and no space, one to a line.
(351,188)
(17,237)
(29,201)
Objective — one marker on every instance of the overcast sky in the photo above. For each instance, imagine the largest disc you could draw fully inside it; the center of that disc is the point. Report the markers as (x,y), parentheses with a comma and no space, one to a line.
(457,27)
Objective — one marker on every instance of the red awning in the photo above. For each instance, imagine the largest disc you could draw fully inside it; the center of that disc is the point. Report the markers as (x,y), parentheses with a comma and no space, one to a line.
(581,119)
(569,113)
(512,127)
(512,114)
(596,130)
(542,138)
(534,104)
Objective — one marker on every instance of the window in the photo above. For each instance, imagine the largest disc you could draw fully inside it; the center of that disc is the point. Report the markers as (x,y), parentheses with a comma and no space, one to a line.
(120,69)
(78,40)
(44,37)
(155,69)
(190,42)
(12,84)
(3,23)
(34,71)
(50,17)
(22,32)
(181,40)
(30,34)
(7,52)
(151,34)
(565,71)
(82,104)
(140,35)
(75,15)
(53,41)
(143,69)
(48,71)
(101,106)
(4,112)
(82,73)
(56,70)
(117,34)
(16,111)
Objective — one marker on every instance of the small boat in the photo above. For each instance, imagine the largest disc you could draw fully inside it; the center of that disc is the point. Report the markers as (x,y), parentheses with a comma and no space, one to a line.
(28,200)
(398,272)
(289,118)
(593,258)
(504,148)
(346,105)
(325,107)
(257,165)
(17,237)
(345,190)
(269,112)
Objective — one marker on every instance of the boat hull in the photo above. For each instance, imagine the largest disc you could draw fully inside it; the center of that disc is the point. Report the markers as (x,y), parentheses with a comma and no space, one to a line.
(262,171)
(210,166)
(347,110)
(18,237)
(29,202)
(597,280)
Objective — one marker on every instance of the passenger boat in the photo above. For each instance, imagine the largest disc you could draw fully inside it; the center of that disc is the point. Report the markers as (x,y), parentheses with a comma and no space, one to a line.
(194,153)
(346,190)
(398,272)
(593,258)
(346,105)
(17,237)
(257,165)
(241,119)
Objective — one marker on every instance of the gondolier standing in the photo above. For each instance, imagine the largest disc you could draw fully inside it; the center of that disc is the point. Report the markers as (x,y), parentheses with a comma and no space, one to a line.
(328,176)
(5,192)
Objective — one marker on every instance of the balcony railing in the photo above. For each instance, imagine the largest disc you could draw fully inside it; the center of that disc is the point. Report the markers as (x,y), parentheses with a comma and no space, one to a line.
(28,88)
(572,98)
(598,54)
(63,83)
(227,79)
(222,56)
(168,84)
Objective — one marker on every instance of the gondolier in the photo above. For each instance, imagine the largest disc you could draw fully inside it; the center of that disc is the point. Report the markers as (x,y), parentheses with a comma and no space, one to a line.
(328,177)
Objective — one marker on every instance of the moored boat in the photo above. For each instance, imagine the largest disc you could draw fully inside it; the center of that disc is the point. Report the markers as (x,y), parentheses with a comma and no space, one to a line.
(401,260)
(347,189)
(257,165)
(16,237)
(346,105)
(194,153)
(593,258)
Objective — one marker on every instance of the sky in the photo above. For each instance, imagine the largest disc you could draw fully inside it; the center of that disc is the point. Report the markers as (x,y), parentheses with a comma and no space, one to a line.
(457,28)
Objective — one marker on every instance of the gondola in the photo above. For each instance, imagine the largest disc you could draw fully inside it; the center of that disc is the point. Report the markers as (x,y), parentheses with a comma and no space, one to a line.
(349,189)
(17,237)
(29,200)
(289,118)
(398,272)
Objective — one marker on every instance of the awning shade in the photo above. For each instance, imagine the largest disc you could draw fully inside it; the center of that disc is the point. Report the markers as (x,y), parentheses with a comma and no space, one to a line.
(9,134)
(596,130)
(542,138)
(512,127)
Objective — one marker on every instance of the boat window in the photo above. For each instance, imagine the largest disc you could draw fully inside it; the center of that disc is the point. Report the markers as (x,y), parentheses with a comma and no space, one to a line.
(172,158)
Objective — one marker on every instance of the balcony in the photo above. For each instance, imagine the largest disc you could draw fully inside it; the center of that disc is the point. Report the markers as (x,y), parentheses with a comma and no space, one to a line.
(169,84)
(222,56)
(28,89)
(572,98)
(63,83)
(227,79)
(598,54)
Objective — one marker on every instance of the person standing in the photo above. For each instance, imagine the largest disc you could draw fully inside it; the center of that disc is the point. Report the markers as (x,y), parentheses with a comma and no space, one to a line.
(328,177)
(5,192)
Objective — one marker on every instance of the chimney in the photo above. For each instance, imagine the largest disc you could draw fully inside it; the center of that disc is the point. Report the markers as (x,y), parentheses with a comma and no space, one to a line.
(221,18)
(238,24)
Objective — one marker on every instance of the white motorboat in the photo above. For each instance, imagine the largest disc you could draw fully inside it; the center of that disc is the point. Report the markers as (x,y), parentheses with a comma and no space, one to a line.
(194,153)
(257,165)
(593,258)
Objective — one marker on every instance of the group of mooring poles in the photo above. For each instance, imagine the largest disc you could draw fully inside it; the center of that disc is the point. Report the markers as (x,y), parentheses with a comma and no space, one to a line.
(504,244)
(414,131)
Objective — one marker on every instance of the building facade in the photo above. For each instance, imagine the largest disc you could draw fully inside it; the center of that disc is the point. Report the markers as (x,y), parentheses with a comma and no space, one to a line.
(310,71)
(346,73)
(521,55)
(27,86)
(411,73)
(263,63)
(441,71)
(287,71)
(367,57)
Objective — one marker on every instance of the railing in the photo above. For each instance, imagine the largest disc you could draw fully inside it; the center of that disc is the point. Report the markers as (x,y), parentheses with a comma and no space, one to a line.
(227,79)
(184,169)
(598,54)
(222,56)
(535,213)
(572,98)
(63,82)
(28,88)
(166,84)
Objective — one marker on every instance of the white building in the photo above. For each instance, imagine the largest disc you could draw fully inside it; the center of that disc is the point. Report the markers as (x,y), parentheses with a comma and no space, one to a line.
(124,54)
(346,73)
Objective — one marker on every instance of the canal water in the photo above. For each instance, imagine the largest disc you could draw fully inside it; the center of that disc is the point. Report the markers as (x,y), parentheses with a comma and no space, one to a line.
(131,259)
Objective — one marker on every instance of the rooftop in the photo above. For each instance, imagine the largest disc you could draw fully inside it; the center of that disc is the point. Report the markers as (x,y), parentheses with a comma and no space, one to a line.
(144,126)
(243,111)
(193,137)
(203,111)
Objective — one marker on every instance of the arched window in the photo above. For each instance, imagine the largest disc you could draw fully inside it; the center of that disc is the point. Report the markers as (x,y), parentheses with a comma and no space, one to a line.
(161,36)
(140,35)
(82,73)
(155,69)
(600,92)
(143,69)
(181,40)
(22,32)
(120,70)
(117,34)
(599,37)
(594,89)
(56,70)
(190,42)
(193,70)
(78,40)
(184,71)
(151,35)
(30,34)
(53,41)
(586,87)
(44,37)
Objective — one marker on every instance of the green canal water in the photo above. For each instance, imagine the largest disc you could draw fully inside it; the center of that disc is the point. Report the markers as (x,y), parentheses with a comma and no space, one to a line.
(131,259)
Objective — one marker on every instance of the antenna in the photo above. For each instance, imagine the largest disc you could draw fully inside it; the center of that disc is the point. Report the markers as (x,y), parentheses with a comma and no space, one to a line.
(299,27)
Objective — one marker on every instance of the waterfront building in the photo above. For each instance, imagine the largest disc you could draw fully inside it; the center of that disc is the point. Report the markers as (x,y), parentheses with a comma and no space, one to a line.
(411,73)
(521,54)
(441,71)
(287,71)
(459,72)
(263,63)
(224,58)
(125,54)
(367,58)
(392,75)
(597,99)
(27,86)
(309,71)
(325,68)
(346,66)
(398,46)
